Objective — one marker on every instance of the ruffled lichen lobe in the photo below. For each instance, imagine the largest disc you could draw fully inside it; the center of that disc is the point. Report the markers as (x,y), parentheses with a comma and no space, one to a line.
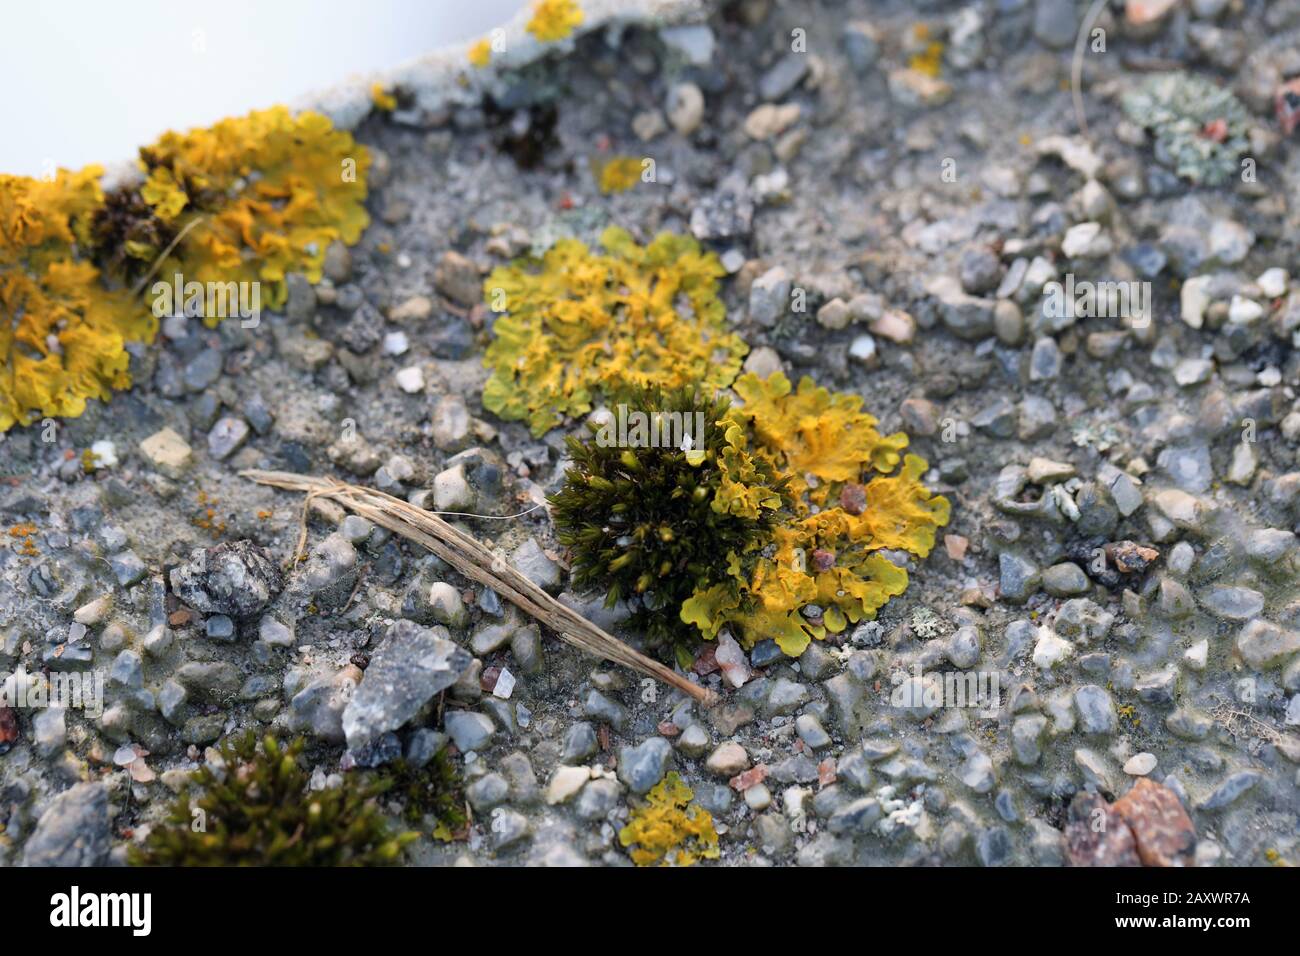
(669,829)
(825,569)
(62,332)
(249,199)
(576,323)
(270,191)
(778,529)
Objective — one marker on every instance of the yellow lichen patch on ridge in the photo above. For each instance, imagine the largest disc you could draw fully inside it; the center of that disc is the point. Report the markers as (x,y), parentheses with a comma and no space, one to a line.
(554,20)
(576,321)
(824,554)
(670,830)
(62,333)
(384,101)
(480,53)
(617,174)
(273,190)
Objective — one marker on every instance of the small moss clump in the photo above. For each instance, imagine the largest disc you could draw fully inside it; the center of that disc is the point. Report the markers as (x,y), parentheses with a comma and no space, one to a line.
(260,812)
(433,790)
(649,522)
(773,528)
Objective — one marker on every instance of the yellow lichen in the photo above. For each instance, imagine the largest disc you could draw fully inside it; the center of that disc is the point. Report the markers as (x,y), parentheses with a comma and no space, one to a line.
(554,20)
(617,174)
(480,53)
(929,61)
(248,200)
(670,830)
(62,333)
(822,554)
(384,101)
(271,191)
(576,322)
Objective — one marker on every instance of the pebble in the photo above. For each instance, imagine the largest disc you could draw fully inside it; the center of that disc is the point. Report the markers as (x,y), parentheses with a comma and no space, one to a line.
(73,831)
(167,452)
(236,578)
(769,120)
(861,45)
(810,730)
(601,708)
(685,108)
(1139,765)
(727,760)
(1065,580)
(1230,790)
(769,296)
(758,797)
(410,379)
(490,790)
(565,784)
(643,766)
(579,743)
(533,563)
(1096,710)
(1018,578)
(1263,644)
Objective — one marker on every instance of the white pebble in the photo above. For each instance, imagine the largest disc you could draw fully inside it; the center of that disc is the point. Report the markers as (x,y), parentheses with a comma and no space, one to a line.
(396,343)
(411,380)
(1139,765)
(104,452)
(1244,311)
(1273,282)
(758,797)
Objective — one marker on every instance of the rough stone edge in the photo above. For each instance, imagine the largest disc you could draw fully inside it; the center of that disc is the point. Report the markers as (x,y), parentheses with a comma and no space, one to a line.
(445,76)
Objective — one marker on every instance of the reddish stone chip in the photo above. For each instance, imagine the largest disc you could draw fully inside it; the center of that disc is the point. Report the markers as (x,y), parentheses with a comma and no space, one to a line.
(1161,827)
(8,725)
(853,499)
(1287,105)
(1098,836)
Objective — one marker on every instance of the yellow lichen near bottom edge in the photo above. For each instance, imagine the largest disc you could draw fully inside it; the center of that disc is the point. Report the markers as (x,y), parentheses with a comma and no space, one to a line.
(668,829)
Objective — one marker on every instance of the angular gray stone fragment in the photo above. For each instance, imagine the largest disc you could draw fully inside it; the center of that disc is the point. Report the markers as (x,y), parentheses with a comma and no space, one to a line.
(1230,790)
(237,579)
(411,665)
(73,831)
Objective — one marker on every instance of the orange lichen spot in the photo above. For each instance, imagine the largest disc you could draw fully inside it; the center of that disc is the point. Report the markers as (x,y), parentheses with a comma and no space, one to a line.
(554,20)
(669,829)
(206,517)
(24,543)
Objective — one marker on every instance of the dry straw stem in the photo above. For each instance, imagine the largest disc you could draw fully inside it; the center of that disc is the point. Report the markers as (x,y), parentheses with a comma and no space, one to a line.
(477,563)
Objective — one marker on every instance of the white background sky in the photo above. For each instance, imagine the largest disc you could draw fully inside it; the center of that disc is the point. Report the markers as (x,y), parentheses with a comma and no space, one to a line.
(89,81)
